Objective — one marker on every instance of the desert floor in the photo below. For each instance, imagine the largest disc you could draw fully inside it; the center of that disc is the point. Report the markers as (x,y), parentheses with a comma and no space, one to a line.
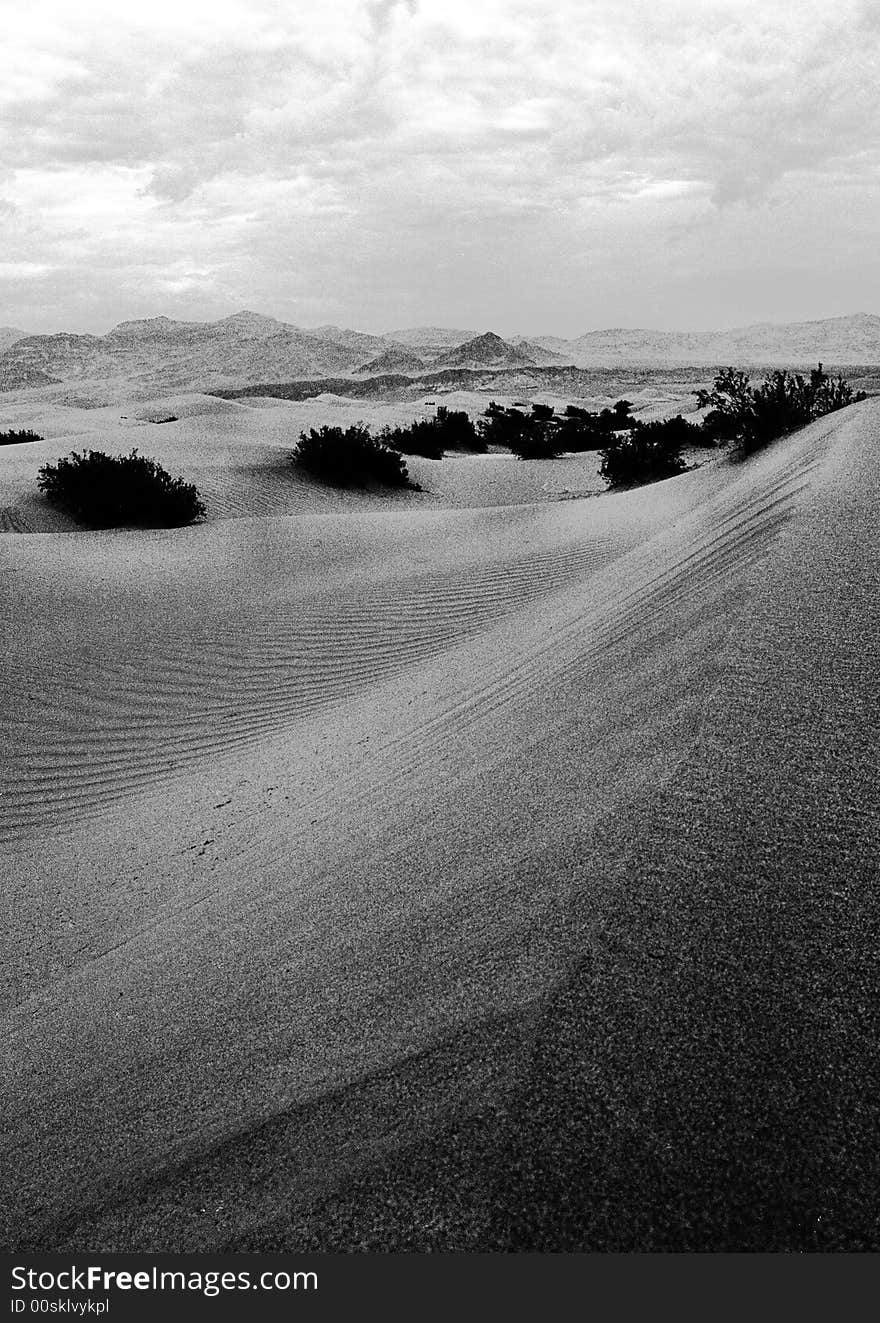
(492,867)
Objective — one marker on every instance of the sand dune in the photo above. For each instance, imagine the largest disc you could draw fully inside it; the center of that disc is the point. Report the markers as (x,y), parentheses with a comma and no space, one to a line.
(238,457)
(467,878)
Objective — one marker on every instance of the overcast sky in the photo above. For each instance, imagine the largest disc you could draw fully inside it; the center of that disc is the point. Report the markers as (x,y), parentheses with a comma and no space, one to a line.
(526,165)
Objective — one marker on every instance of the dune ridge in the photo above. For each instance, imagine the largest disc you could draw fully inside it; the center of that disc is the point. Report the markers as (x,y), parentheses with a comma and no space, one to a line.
(497,924)
(170,689)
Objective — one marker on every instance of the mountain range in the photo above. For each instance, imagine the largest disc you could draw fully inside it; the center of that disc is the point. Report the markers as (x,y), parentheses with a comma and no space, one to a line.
(159,354)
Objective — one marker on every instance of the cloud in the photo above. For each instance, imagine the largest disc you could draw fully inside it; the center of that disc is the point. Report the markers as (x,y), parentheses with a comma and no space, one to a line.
(23,270)
(337,155)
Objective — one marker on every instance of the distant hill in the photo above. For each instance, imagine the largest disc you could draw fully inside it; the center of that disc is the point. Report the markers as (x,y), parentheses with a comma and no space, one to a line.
(395,359)
(854,340)
(358,341)
(9,335)
(430,339)
(484,351)
(159,354)
(543,355)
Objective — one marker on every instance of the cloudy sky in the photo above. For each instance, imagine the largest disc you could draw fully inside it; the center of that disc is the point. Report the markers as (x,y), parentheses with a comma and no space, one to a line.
(529,165)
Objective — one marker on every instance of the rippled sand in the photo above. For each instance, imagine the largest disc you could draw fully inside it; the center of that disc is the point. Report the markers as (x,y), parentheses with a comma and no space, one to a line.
(444,871)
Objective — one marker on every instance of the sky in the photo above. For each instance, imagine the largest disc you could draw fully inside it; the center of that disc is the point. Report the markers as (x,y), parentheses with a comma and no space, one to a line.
(541,167)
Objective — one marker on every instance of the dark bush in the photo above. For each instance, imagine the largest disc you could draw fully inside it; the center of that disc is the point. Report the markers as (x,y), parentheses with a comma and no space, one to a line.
(784,401)
(617,419)
(543,434)
(644,455)
(107,491)
(429,437)
(677,431)
(419,438)
(580,430)
(537,443)
(719,426)
(457,431)
(499,426)
(350,457)
(13,438)
(528,435)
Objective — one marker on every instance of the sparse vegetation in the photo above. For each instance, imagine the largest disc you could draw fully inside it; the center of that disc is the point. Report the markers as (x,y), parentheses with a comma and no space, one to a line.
(648,453)
(581,429)
(632,452)
(528,435)
(14,438)
(429,437)
(544,434)
(350,457)
(108,491)
(755,416)
(674,431)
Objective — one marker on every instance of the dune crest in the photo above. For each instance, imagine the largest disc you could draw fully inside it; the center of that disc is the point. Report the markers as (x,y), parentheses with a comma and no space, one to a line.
(481,852)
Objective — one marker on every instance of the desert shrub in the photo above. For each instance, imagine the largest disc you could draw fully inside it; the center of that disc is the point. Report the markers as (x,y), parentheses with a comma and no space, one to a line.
(781,404)
(535,436)
(719,426)
(419,438)
(528,435)
(643,455)
(429,437)
(457,430)
(107,491)
(544,434)
(677,431)
(832,394)
(784,401)
(577,430)
(616,419)
(538,434)
(580,429)
(537,443)
(14,438)
(499,426)
(350,457)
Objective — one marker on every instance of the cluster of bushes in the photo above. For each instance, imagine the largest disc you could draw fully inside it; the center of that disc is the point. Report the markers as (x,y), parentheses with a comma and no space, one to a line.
(756,415)
(544,434)
(350,457)
(528,435)
(750,415)
(631,451)
(13,438)
(104,491)
(108,490)
(353,457)
(646,454)
(650,451)
(429,437)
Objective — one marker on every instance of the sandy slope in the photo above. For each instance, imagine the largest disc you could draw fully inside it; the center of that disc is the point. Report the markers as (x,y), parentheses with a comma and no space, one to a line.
(237,454)
(480,878)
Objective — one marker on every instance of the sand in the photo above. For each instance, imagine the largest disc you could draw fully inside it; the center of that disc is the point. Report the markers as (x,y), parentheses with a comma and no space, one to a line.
(471,876)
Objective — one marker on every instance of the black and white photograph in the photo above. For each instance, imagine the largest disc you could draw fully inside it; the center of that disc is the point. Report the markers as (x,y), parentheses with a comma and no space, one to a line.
(439,630)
